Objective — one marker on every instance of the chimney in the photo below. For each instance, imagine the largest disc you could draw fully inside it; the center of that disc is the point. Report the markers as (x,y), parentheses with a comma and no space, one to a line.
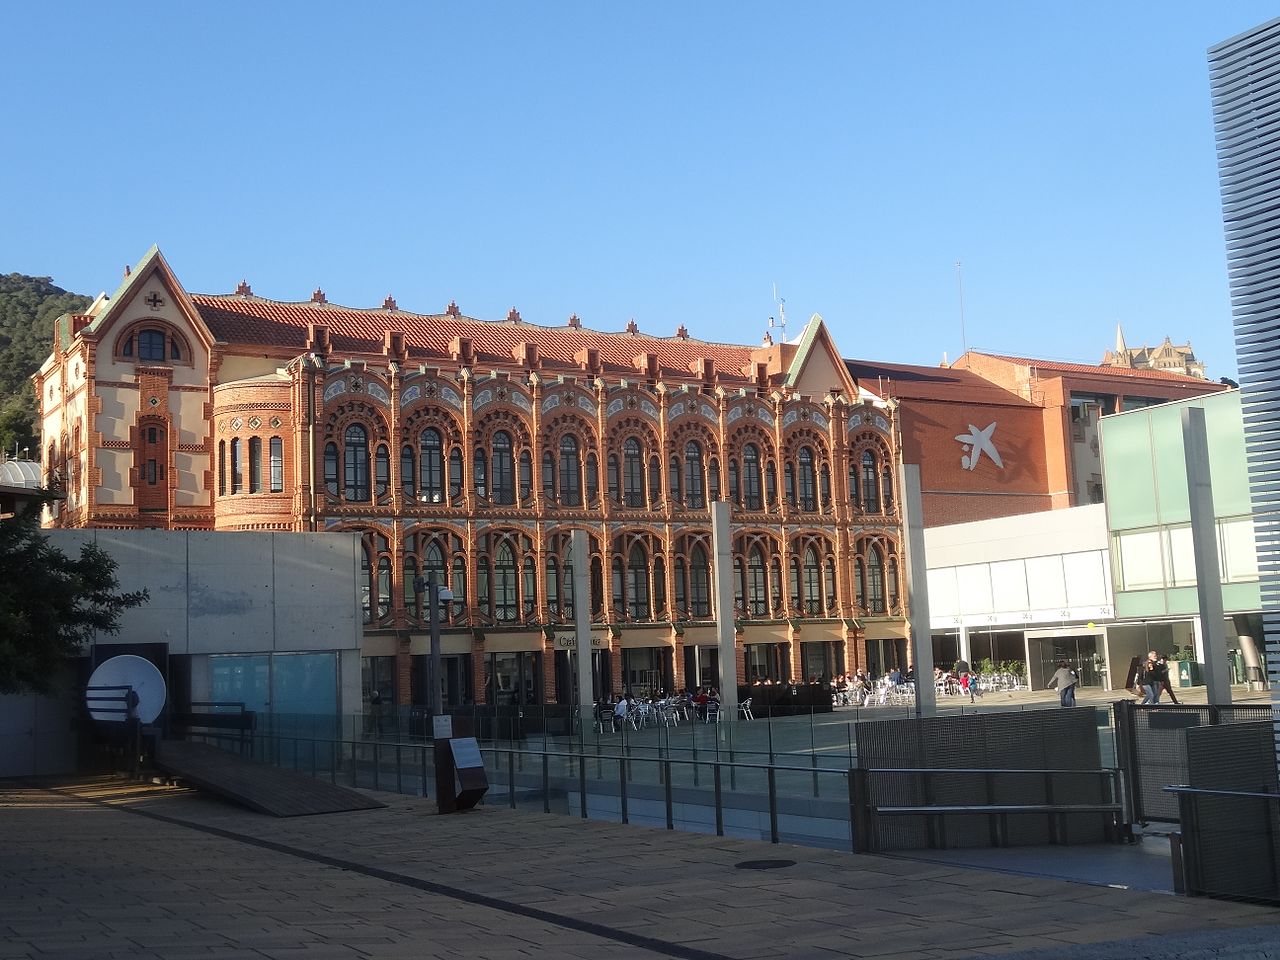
(393,344)
(588,358)
(526,354)
(463,351)
(318,338)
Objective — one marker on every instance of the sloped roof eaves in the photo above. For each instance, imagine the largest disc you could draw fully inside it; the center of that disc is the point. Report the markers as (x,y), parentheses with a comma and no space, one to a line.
(125,284)
(255,321)
(1063,367)
(908,382)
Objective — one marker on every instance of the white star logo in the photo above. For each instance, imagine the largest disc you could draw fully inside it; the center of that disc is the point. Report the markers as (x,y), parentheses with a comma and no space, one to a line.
(979,441)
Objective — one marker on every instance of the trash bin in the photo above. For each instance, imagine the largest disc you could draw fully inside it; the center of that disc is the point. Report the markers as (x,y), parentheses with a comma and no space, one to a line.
(1189,673)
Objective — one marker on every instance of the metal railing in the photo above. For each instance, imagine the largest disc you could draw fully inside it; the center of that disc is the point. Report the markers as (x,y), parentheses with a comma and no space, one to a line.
(1230,843)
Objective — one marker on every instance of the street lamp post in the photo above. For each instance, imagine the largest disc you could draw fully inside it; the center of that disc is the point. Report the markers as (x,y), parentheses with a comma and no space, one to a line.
(436,595)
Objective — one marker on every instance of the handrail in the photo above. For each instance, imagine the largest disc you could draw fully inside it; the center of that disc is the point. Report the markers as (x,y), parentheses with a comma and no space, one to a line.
(1202,791)
(940,770)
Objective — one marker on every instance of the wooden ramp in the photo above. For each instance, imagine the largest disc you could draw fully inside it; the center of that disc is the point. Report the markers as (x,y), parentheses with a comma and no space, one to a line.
(258,786)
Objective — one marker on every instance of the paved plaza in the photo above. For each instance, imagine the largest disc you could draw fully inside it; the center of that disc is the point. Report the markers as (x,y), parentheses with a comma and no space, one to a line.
(106,868)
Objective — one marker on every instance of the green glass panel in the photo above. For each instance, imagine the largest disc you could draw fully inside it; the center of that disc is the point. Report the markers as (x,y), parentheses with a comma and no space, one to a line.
(1170,464)
(1224,425)
(1126,452)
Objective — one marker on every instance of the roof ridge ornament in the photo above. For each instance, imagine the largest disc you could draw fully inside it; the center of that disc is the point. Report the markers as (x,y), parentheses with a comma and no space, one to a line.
(452,309)
(389,303)
(513,315)
(632,327)
(682,332)
(243,289)
(318,296)
(575,321)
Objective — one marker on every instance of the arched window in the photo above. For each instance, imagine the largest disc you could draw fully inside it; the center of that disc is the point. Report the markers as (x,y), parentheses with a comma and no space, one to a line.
(713,480)
(505,607)
(382,470)
(757,599)
(455,474)
(771,484)
(775,585)
(638,584)
(812,583)
(680,574)
(824,486)
(751,477)
(408,579)
(526,475)
(552,586)
(699,583)
(406,472)
(151,345)
(222,466)
(570,471)
(893,583)
(694,481)
(548,477)
(255,464)
(859,584)
(593,478)
(808,491)
(632,473)
(673,481)
(886,489)
(355,463)
(480,470)
(237,467)
(277,465)
(614,478)
(504,485)
(655,482)
(384,586)
(431,459)
(829,595)
(870,487)
(875,578)
(735,485)
(619,597)
(331,468)
(797,599)
(659,587)
(789,483)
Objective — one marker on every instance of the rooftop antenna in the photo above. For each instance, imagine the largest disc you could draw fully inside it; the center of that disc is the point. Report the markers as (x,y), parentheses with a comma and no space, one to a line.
(964,340)
(782,313)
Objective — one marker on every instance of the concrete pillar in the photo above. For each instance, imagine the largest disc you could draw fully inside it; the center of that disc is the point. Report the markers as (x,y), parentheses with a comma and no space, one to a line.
(1204,545)
(722,542)
(918,590)
(965,653)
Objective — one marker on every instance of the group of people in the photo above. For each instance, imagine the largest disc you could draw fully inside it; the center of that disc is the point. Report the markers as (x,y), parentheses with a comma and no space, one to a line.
(692,703)
(1149,680)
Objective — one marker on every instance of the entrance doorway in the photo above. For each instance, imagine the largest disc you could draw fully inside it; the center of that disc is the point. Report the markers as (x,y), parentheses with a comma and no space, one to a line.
(1080,651)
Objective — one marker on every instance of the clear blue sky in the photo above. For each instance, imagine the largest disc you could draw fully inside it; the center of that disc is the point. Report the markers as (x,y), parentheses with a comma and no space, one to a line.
(662,161)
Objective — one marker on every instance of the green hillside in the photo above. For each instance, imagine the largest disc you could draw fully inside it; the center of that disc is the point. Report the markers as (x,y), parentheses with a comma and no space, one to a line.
(28,307)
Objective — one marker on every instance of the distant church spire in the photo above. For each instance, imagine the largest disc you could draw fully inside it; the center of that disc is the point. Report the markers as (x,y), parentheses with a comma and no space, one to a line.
(1122,348)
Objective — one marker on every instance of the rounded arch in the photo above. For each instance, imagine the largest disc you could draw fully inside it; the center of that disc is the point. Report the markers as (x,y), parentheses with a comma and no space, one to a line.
(152,340)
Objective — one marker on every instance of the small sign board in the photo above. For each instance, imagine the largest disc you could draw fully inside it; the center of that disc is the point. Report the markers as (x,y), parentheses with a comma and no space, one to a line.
(442,727)
(466,753)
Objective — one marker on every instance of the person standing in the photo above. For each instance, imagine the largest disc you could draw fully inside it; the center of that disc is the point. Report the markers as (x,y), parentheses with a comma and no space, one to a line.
(1065,680)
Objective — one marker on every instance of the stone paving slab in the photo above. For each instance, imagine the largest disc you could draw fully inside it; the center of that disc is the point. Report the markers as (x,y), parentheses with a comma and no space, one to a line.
(192,876)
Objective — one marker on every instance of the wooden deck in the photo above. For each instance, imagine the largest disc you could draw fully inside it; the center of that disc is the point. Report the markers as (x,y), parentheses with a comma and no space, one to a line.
(258,786)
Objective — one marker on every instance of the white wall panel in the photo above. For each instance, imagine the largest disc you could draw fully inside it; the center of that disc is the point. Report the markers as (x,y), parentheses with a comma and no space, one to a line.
(974,585)
(1046,586)
(1009,585)
(1086,579)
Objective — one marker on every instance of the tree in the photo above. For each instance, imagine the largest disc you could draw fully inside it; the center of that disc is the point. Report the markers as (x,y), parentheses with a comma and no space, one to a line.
(50,603)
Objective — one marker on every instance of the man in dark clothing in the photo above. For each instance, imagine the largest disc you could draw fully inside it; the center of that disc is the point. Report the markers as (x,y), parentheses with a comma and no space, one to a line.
(1152,676)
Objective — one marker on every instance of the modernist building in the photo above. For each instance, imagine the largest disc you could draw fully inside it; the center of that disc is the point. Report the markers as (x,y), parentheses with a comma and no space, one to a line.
(999,436)
(1244,75)
(467,451)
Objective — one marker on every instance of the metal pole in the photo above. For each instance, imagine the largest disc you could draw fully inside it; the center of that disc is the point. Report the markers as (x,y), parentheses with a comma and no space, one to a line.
(582,629)
(433,620)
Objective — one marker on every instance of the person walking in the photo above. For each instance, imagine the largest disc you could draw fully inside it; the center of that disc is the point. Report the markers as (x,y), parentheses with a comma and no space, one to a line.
(1151,680)
(1065,680)
(1167,686)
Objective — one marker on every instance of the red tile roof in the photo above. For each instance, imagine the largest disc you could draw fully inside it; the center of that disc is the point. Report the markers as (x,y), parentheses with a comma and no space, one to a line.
(1062,367)
(254,321)
(909,382)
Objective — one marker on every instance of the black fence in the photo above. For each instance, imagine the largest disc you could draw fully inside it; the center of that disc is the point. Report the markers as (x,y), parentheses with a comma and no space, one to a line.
(984,780)
(1230,813)
(1151,749)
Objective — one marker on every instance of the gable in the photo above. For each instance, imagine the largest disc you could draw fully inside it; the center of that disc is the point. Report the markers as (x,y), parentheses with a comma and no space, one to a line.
(151,292)
(818,367)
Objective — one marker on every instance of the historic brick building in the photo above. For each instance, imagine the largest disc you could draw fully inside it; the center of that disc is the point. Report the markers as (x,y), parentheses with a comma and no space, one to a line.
(468,450)
(997,436)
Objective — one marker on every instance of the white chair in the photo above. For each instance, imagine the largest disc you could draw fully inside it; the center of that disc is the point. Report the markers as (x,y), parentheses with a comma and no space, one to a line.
(712,714)
(744,708)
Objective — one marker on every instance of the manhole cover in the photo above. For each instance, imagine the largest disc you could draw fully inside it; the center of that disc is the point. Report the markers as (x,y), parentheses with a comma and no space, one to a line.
(764,864)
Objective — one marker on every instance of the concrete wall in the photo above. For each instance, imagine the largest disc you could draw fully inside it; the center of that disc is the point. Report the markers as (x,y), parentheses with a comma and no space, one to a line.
(211,593)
